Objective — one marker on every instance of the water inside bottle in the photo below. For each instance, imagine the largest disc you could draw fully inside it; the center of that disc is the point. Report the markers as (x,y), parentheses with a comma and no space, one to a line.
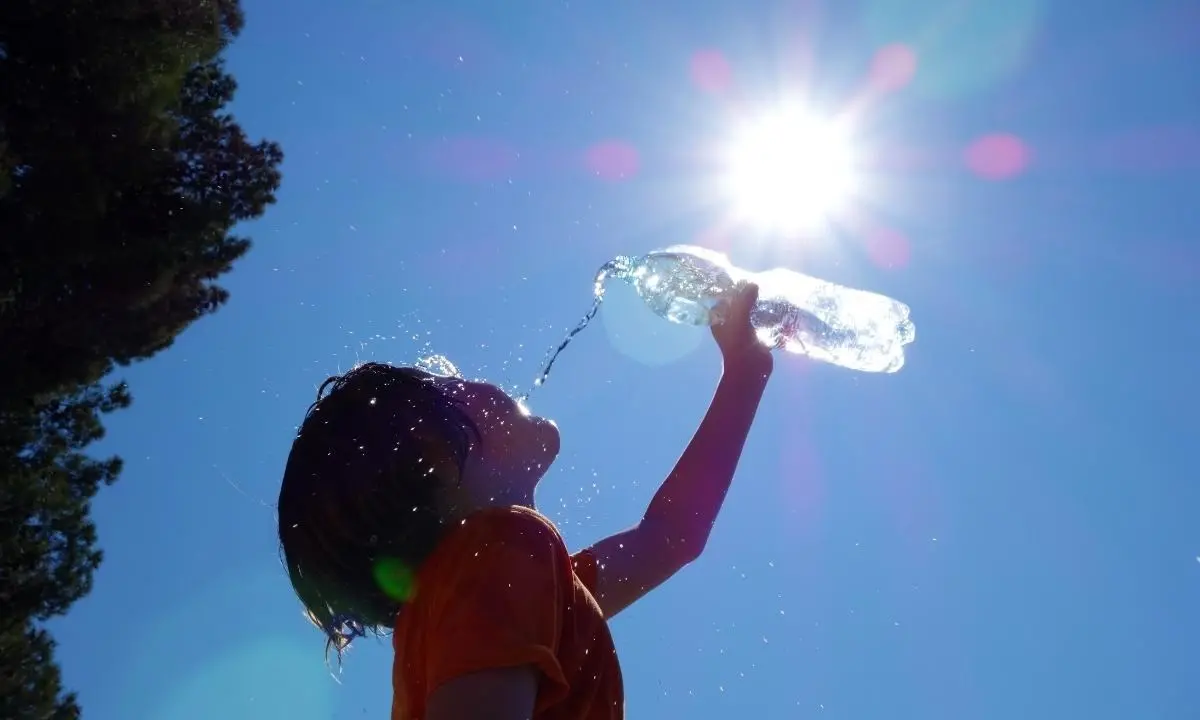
(843,326)
(684,285)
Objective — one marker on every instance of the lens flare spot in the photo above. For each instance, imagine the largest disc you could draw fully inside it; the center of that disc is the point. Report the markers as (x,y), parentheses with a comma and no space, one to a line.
(710,71)
(395,579)
(271,676)
(965,47)
(804,487)
(998,157)
(893,67)
(638,333)
(613,160)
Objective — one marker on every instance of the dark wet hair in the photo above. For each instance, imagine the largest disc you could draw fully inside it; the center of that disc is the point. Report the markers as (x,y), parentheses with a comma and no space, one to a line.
(360,504)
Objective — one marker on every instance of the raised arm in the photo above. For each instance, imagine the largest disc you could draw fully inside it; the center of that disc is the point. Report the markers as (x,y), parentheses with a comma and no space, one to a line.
(676,525)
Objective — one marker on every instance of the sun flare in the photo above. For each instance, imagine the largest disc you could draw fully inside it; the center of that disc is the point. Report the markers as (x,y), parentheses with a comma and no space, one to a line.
(789,171)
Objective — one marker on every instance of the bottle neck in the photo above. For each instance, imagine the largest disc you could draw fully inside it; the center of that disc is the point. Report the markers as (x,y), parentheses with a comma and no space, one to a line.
(620,267)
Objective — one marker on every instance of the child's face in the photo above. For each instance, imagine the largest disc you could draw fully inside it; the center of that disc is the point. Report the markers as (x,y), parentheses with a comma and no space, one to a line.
(514,452)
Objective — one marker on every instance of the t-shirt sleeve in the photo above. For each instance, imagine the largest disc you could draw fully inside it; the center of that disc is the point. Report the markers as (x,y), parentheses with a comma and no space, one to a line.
(587,569)
(501,605)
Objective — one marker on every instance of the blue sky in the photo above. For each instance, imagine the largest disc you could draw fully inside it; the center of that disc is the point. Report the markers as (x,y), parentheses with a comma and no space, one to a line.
(1006,528)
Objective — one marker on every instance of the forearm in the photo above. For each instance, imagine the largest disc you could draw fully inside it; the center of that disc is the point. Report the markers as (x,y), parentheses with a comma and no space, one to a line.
(676,525)
(686,505)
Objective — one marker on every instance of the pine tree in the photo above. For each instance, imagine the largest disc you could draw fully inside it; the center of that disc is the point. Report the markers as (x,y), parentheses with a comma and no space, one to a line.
(122,178)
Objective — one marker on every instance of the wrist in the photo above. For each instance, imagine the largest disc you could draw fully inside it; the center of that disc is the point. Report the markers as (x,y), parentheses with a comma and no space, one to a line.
(755,364)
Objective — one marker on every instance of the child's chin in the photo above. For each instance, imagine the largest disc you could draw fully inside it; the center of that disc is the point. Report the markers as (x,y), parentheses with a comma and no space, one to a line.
(538,448)
(543,425)
(546,431)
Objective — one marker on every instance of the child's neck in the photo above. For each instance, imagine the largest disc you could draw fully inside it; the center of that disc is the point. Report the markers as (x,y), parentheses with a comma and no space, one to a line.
(473,497)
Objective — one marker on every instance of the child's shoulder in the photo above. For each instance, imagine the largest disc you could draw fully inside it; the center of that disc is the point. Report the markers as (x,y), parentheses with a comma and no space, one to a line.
(513,526)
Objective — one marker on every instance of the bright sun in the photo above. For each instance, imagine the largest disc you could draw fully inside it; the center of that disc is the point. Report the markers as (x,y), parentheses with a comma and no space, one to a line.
(789,171)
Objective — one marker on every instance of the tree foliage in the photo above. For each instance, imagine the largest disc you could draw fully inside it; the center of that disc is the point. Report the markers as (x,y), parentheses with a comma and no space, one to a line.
(122,178)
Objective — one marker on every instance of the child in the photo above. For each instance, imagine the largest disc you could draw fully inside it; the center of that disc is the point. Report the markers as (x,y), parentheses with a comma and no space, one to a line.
(407,504)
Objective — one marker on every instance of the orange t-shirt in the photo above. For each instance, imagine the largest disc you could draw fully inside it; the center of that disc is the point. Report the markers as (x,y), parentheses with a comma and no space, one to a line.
(500,591)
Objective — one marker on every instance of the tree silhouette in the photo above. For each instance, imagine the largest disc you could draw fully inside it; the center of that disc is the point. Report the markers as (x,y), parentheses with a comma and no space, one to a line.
(122,178)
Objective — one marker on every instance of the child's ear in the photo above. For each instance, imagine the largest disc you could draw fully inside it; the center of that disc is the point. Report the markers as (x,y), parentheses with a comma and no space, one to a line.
(440,461)
(441,465)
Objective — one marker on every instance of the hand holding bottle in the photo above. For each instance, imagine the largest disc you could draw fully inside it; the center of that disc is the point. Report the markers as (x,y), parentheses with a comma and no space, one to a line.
(798,313)
(735,335)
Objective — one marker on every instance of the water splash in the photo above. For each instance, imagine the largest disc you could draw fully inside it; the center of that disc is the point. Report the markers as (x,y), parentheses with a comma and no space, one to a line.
(438,365)
(619,267)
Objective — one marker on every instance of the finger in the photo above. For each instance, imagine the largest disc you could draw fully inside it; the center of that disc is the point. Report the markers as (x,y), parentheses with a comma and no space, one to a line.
(749,294)
(743,302)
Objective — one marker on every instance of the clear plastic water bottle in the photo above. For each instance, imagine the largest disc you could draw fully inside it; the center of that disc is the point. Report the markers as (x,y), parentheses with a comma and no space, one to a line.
(799,313)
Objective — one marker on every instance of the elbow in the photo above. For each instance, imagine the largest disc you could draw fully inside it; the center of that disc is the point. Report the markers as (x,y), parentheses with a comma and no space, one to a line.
(681,543)
(687,549)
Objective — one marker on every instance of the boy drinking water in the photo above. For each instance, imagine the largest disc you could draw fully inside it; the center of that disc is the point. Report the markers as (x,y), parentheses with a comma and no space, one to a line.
(407,504)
